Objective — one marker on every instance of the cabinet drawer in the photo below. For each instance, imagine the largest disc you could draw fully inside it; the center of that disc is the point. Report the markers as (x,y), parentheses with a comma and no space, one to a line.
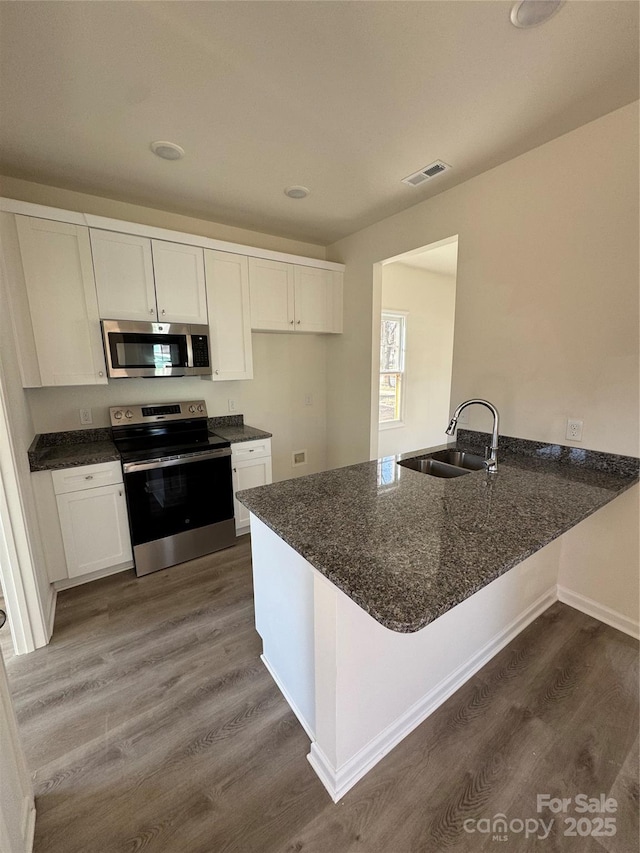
(86,477)
(250,449)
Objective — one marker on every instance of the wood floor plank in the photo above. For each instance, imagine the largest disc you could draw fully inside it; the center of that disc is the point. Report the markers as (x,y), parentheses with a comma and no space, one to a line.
(151,725)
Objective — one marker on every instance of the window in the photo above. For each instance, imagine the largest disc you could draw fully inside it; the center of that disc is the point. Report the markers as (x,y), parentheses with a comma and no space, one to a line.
(392,346)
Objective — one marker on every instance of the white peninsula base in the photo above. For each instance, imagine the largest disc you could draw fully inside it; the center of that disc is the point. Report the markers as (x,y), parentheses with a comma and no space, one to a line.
(359,688)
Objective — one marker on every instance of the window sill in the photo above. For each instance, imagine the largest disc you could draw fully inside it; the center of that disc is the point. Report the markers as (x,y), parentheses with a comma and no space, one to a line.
(391,425)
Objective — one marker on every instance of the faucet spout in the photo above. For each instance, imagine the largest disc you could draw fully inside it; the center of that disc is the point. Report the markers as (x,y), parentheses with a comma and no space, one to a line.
(492,460)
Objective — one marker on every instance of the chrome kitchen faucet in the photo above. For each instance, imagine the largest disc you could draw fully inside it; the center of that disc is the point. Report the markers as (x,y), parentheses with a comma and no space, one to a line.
(491,459)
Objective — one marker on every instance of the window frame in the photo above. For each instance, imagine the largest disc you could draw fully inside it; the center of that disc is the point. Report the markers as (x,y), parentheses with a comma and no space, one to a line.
(403,317)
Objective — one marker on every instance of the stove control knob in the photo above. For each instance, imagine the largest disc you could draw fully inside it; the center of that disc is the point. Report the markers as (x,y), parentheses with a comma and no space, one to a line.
(117,415)
(192,409)
(128,413)
(201,408)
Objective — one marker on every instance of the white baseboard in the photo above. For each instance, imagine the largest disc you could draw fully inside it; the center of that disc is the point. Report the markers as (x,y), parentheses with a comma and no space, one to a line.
(599,611)
(67,583)
(301,719)
(338,781)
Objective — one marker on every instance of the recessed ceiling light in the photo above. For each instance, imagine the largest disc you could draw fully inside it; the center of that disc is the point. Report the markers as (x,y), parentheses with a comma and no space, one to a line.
(532,13)
(296,192)
(167,150)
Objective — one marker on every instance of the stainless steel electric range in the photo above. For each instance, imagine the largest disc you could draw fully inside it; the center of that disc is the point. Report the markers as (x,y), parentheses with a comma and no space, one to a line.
(177,479)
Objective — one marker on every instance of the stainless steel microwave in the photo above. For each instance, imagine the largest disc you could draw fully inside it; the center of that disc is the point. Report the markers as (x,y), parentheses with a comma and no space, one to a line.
(155,349)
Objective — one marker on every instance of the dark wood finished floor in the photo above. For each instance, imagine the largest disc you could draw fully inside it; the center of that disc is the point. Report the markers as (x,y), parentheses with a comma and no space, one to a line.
(151,725)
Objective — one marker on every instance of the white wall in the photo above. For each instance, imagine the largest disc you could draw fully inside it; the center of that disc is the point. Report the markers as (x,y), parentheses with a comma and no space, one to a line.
(600,558)
(287,368)
(429,300)
(547,293)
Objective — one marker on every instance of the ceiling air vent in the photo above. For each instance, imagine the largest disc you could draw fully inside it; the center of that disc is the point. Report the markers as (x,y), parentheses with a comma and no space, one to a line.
(426,174)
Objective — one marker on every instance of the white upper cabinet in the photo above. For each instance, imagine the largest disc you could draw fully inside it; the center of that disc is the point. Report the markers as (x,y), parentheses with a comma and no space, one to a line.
(227,278)
(272,288)
(124,276)
(180,285)
(294,298)
(57,274)
(318,300)
(142,279)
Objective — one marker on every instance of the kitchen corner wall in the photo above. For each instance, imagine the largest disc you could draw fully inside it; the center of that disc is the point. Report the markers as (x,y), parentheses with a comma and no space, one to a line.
(547,293)
(287,368)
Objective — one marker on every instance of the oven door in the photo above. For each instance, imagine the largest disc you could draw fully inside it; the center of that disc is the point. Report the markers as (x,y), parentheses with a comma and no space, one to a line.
(179,508)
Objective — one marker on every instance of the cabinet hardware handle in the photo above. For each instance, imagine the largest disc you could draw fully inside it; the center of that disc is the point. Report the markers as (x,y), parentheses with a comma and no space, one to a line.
(89,477)
(235,470)
(291,321)
(163,311)
(150,310)
(298,322)
(216,372)
(100,373)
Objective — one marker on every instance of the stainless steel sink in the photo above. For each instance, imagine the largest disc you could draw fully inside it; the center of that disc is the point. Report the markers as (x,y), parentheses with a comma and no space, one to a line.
(460,459)
(434,467)
(445,463)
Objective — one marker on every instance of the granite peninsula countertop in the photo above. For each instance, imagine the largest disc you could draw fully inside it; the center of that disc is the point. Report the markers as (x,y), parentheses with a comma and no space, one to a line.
(51,451)
(407,547)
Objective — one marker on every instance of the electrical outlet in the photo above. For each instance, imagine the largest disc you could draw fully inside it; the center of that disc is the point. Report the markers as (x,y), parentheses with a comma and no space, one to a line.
(308,400)
(86,417)
(574,430)
(232,405)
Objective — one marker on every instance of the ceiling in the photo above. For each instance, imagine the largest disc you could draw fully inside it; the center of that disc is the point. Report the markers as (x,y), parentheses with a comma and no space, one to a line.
(345,98)
(441,259)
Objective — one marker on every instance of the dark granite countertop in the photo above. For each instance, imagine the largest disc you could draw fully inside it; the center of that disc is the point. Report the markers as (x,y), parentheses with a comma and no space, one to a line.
(245,432)
(51,451)
(407,547)
(233,429)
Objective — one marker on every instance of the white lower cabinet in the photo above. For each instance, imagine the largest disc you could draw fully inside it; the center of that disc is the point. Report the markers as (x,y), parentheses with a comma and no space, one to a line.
(251,467)
(83,517)
(94,529)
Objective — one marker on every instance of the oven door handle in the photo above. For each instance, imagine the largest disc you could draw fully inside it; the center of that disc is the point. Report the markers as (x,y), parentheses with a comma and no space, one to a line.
(130,467)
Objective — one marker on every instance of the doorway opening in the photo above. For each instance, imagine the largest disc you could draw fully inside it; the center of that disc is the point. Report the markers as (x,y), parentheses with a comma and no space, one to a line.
(412,361)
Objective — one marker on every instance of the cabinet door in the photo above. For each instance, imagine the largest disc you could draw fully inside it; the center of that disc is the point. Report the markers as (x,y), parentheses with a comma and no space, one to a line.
(95,531)
(271,286)
(313,302)
(124,276)
(180,284)
(58,273)
(229,315)
(248,475)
